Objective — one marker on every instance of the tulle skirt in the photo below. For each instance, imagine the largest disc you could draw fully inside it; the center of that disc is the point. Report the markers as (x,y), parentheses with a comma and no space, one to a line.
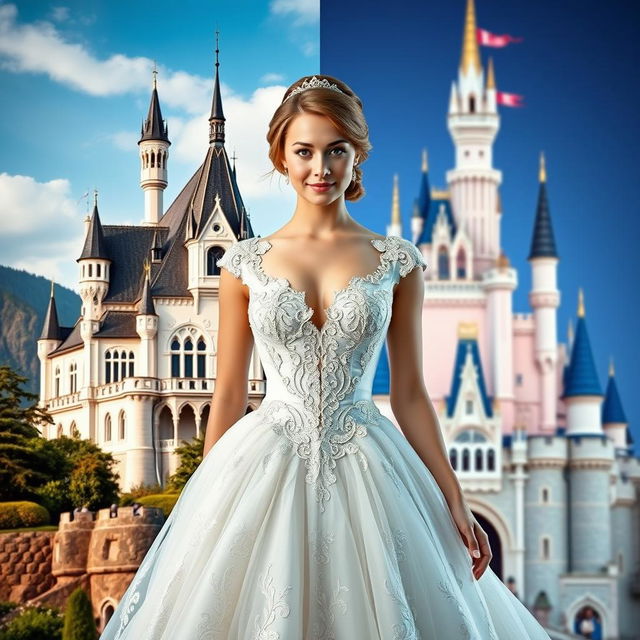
(248,553)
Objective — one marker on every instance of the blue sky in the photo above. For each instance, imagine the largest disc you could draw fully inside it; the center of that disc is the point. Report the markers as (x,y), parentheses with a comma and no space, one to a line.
(76,82)
(576,68)
(76,79)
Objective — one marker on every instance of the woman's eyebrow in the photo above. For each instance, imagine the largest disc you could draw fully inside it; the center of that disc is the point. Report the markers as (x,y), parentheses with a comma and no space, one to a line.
(307,144)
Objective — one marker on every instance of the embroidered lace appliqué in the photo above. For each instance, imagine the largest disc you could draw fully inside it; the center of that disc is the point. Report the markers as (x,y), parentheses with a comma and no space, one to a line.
(318,366)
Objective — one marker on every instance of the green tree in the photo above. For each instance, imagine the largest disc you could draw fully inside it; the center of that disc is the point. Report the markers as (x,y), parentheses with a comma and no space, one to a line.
(81,473)
(78,617)
(190,454)
(22,469)
(33,623)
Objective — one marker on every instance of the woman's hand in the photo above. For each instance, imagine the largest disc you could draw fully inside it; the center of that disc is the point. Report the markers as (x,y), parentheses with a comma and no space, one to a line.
(473,536)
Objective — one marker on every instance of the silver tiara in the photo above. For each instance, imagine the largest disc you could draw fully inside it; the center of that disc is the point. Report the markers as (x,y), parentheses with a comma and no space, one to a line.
(314,83)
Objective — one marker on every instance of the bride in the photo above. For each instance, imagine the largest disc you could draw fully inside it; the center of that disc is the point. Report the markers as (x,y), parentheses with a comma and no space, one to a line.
(314,516)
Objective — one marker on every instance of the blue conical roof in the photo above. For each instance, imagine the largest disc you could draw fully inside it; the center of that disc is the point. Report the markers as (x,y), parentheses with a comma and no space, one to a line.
(612,410)
(543,243)
(581,378)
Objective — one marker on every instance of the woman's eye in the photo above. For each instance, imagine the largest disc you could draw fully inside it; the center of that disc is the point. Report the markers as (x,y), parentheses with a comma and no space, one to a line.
(339,149)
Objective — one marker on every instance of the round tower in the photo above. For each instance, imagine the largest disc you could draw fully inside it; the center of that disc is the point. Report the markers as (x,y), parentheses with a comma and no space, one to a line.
(49,339)
(544,299)
(95,266)
(546,531)
(147,329)
(154,153)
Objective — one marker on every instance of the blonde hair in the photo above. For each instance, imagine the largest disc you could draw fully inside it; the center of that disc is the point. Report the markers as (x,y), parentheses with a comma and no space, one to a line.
(344,110)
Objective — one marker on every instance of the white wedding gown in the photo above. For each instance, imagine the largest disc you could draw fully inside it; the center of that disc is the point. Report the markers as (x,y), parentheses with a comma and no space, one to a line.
(313,517)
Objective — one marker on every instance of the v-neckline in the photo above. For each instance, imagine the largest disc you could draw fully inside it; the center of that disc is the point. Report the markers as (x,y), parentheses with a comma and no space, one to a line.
(302,295)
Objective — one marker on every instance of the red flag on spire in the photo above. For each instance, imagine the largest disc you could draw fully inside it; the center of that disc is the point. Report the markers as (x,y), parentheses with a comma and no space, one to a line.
(509,99)
(488,39)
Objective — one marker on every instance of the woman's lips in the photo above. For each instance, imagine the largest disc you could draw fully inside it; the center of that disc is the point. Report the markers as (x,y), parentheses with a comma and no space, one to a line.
(320,188)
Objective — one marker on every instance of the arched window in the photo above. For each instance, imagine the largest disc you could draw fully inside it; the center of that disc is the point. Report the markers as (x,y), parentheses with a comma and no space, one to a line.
(73,377)
(461,265)
(73,430)
(59,431)
(121,426)
(443,263)
(107,428)
(465,459)
(453,458)
(189,353)
(56,382)
(472,104)
(118,364)
(491,460)
(546,548)
(213,255)
(479,460)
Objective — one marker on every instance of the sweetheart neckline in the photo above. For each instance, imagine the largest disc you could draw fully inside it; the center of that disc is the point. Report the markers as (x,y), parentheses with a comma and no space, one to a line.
(302,295)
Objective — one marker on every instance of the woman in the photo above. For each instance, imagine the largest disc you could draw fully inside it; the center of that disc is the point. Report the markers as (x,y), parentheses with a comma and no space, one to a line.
(313,516)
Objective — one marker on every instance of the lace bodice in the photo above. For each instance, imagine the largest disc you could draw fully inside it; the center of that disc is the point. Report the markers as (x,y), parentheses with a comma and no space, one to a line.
(319,380)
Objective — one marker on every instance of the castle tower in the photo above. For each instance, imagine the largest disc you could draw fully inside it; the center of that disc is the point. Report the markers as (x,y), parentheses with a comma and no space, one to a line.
(94,268)
(546,532)
(544,299)
(614,420)
(473,123)
(50,339)
(154,154)
(590,459)
(395,227)
(147,329)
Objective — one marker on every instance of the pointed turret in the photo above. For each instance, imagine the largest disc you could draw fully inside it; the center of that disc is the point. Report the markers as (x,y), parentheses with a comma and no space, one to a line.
(395,203)
(543,244)
(612,410)
(582,377)
(154,127)
(146,306)
(94,245)
(491,77)
(51,328)
(470,57)
(217,119)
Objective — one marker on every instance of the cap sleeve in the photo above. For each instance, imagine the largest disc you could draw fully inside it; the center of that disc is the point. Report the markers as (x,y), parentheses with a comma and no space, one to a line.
(409,257)
(231,260)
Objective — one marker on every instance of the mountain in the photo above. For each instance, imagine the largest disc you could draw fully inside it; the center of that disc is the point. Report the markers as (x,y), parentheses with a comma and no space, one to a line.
(24,298)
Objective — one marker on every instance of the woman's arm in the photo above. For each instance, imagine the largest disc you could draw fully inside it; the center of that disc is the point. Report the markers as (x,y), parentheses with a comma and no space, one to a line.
(233,355)
(409,399)
(417,418)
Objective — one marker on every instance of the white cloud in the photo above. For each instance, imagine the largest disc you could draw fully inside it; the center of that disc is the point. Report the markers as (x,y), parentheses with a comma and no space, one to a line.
(304,12)
(41,227)
(269,78)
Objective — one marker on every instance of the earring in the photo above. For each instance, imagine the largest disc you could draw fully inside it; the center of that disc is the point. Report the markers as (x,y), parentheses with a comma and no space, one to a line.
(353,175)
(287,174)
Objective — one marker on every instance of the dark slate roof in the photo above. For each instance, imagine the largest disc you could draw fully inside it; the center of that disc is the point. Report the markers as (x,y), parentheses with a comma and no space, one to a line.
(434,208)
(582,378)
(154,127)
(543,243)
(70,337)
(146,306)
(128,246)
(118,324)
(464,345)
(51,328)
(94,245)
(612,410)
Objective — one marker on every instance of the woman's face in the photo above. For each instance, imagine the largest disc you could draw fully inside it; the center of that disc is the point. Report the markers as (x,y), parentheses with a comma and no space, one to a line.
(315,152)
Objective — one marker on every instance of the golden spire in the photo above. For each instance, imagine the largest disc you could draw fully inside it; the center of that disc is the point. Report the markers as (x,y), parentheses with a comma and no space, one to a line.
(611,369)
(543,169)
(147,267)
(580,303)
(395,202)
(425,161)
(470,53)
(491,77)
